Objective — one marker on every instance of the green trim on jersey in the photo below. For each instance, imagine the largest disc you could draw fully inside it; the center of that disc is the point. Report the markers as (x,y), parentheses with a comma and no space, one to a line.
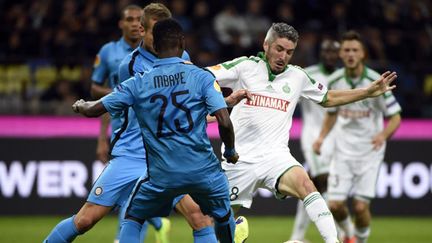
(301,69)
(349,80)
(323,70)
(271,75)
(325,98)
(334,80)
(232,63)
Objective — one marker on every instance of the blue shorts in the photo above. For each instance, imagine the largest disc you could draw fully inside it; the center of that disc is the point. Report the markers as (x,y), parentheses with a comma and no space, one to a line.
(149,200)
(117,181)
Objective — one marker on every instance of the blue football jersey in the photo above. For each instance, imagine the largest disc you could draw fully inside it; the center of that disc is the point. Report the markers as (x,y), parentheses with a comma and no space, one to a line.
(128,140)
(106,66)
(171,102)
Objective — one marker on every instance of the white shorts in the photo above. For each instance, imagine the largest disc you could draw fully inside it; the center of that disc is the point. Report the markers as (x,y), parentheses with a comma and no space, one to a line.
(245,178)
(353,175)
(319,164)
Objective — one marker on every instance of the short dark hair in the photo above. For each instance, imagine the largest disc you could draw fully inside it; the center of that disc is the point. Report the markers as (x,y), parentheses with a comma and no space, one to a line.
(281,30)
(129,7)
(166,34)
(352,35)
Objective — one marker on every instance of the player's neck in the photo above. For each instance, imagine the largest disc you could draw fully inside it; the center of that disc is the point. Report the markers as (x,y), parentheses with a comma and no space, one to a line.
(170,53)
(132,43)
(355,72)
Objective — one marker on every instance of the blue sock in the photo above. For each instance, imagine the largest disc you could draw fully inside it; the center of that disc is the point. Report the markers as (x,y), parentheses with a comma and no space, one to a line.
(130,231)
(225,230)
(63,232)
(205,235)
(121,214)
(143,232)
(156,222)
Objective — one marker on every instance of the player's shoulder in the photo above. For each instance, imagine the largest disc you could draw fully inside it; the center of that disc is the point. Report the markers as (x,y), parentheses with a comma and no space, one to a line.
(312,69)
(336,76)
(108,47)
(371,74)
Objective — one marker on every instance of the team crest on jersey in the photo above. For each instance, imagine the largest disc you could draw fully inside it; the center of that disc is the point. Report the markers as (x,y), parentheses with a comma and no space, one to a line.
(286,88)
(98,191)
(217,86)
(96,61)
(268,102)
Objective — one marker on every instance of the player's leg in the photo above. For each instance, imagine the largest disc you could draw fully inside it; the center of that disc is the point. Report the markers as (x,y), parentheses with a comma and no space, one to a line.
(202,225)
(365,191)
(339,185)
(213,199)
(296,182)
(242,183)
(318,169)
(101,199)
(147,201)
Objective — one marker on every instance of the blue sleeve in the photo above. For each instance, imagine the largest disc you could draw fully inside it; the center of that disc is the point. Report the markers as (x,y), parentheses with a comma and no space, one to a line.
(100,66)
(123,72)
(212,93)
(185,56)
(121,98)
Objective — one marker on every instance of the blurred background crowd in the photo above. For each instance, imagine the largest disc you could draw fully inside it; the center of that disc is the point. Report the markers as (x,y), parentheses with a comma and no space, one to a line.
(48,47)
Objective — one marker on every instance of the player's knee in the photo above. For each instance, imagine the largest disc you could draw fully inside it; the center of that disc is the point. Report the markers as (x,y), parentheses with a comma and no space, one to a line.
(360,208)
(84,222)
(197,220)
(335,206)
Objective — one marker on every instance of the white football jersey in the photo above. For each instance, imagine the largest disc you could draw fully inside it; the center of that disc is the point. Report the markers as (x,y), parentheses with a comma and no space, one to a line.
(262,126)
(313,114)
(360,121)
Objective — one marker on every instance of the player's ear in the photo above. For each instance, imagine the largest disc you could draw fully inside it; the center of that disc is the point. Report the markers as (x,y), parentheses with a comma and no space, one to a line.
(121,24)
(265,46)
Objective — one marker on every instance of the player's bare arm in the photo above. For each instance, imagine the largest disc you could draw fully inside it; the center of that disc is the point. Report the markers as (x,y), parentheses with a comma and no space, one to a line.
(102,148)
(226,132)
(98,91)
(393,124)
(233,100)
(237,96)
(376,88)
(328,123)
(89,108)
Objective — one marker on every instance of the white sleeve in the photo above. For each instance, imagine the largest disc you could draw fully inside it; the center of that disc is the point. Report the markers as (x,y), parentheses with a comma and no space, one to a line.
(388,104)
(228,73)
(314,90)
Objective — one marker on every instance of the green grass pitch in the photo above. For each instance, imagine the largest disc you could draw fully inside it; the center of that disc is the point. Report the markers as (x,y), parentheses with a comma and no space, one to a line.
(262,229)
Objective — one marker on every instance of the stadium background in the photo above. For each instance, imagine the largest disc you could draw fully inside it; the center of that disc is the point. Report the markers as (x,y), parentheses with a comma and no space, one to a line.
(47,50)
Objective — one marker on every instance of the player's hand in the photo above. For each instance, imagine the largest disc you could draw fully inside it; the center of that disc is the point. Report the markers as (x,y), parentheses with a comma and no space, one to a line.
(316,146)
(77,104)
(234,98)
(102,150)
(382,85)
(231,156)
(378,141)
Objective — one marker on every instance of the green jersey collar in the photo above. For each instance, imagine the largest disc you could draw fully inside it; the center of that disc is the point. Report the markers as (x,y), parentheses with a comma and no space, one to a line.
(271,75)
(349,80)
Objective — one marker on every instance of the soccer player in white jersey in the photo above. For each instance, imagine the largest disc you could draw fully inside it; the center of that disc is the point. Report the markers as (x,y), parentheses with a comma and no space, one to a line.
(312,119)
(262,125)
(360,139)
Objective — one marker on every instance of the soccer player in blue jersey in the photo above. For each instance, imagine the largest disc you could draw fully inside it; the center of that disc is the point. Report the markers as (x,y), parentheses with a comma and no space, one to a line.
(140,61)
(171,103)
(114,185)
(106,66)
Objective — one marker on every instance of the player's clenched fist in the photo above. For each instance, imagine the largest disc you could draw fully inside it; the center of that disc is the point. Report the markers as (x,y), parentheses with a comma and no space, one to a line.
(231,155)
(75,106)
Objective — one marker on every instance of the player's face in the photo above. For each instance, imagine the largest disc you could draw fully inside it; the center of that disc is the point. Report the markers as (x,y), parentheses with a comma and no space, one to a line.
(148,35)
(130,24)
(279,53)
(352,54)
